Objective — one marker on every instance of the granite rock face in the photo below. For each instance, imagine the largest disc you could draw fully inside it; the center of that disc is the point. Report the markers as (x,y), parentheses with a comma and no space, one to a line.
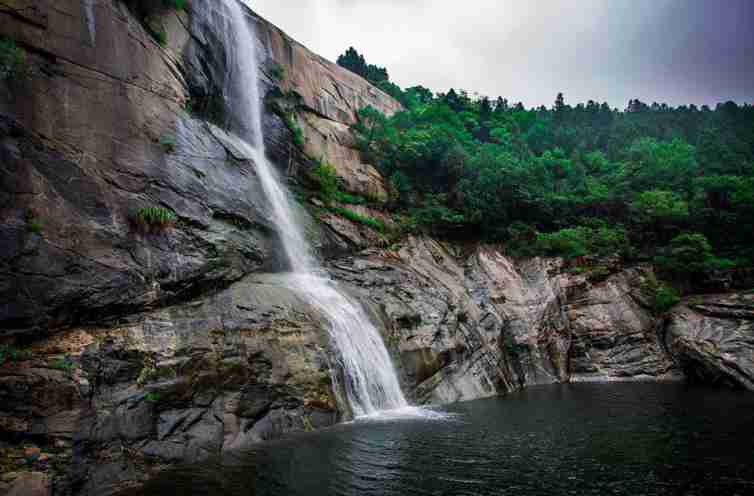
(96,133)
(468,322)
(712,338)
(126,348)
(101,129)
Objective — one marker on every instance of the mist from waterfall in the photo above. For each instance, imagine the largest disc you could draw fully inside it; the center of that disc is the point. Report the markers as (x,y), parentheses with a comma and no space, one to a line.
(369,378)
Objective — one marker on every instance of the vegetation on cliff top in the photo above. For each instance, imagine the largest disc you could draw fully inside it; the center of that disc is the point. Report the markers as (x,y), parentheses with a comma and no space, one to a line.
(650,182)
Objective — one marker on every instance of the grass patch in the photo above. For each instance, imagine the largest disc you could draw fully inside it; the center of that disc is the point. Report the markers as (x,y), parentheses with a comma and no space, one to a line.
(10,353)
(375,224)
(62,364)
(154,218)
(326,181)
(350,199)
(297,134)
(153,397)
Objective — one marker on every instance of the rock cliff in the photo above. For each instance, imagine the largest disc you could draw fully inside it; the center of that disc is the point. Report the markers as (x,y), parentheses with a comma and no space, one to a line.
(127,349)
(469,322)
(712,338)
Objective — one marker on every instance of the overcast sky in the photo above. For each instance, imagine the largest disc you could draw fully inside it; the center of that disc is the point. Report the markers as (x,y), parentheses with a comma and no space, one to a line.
(673,51)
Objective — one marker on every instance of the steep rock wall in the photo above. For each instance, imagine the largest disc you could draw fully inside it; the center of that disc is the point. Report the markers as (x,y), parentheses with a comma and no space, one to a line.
(712,338)
(126,349)
(101,129)
(469,322)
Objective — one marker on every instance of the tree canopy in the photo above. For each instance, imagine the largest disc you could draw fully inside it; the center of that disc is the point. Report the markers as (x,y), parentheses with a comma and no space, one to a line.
(643,182)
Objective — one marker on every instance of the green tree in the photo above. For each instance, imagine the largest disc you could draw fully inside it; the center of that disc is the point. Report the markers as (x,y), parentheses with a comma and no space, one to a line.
(326,179)
(659,171)
(657,206)
(652,164)
(355,62)
(686,254)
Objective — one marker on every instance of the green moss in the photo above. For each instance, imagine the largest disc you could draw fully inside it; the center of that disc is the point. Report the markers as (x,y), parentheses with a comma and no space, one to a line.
(509,344)
(695,301)
(307,423)
(277,72)
(12,61)
(167,142)
(284,105)
(159,34)
(32,224)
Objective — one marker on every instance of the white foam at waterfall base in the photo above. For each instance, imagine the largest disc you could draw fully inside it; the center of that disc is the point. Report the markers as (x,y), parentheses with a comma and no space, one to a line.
(369,378)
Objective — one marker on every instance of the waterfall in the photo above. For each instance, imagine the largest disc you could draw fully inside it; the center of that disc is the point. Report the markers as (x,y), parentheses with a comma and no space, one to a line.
(370,380)
(91,24)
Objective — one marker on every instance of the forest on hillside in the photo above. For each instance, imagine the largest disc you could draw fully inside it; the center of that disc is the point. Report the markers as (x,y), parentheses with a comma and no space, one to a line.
(651,182)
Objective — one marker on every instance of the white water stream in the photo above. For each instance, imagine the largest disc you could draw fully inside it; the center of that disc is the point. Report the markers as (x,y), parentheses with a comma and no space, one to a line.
(370,381)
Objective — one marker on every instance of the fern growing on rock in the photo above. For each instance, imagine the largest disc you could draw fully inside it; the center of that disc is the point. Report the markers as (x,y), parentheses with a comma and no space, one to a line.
(154,218)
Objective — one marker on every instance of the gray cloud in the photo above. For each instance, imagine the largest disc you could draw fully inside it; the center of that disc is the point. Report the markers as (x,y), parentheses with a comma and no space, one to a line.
(674,51)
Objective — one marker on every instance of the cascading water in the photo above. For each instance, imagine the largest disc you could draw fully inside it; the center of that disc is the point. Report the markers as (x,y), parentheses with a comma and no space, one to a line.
(371,383)
(91,23)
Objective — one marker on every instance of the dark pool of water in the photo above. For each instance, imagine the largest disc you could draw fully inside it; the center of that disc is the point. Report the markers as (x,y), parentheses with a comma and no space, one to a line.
(580,439)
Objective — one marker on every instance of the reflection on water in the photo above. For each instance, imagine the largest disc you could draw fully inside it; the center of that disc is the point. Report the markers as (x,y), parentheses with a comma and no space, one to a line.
(596,439)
